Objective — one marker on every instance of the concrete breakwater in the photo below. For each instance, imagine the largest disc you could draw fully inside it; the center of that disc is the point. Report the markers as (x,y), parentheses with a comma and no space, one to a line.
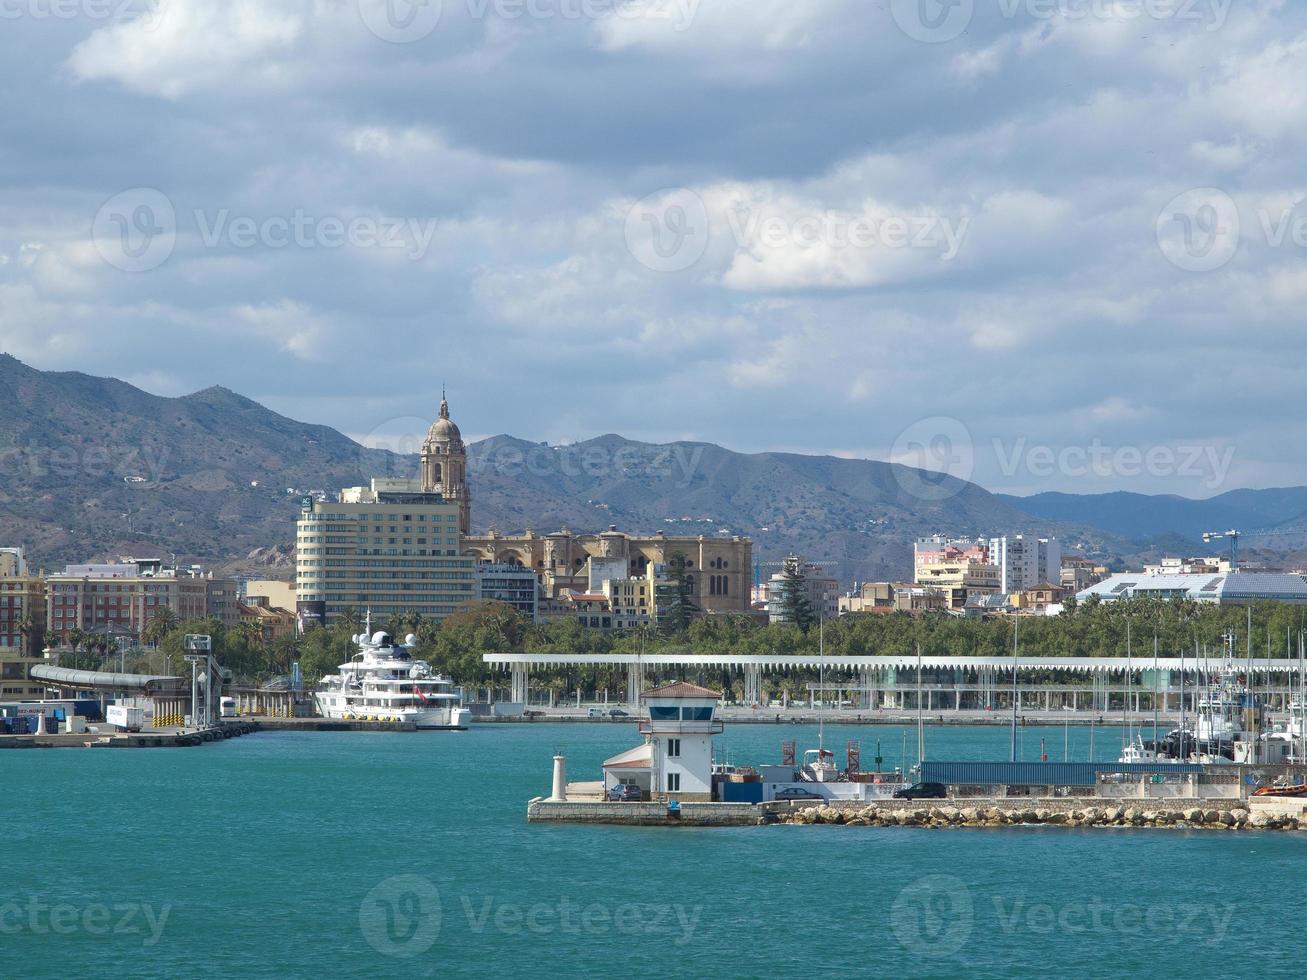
(1271,813)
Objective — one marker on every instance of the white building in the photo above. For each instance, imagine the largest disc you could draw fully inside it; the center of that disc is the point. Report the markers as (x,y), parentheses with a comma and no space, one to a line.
(823,591)
(675,761)
(1024,563)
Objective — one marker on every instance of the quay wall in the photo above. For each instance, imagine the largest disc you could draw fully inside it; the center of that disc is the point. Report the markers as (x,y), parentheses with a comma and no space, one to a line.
(644,814)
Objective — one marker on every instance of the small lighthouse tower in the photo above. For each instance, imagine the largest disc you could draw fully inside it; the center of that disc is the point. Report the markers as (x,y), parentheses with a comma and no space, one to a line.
(679,730)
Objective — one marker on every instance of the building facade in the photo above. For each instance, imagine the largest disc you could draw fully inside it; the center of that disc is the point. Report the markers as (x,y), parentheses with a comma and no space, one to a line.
(391,547)
(121,598)
(510,584)
(717,570)
(1025,562)
(822,591)
(22,626)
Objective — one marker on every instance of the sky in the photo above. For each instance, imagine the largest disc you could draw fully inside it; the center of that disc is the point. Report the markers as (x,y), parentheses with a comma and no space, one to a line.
(1040,244)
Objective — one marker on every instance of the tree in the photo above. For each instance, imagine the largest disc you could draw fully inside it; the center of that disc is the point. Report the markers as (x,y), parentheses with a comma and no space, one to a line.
(251,631)
(161,623)
(24,626)
(795,608)
(680,596)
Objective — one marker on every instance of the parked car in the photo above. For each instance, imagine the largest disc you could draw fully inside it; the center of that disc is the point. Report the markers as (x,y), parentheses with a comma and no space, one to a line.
(625,793)
(619,713)
(533,713)
(923,791)
(797,793)
(595,713)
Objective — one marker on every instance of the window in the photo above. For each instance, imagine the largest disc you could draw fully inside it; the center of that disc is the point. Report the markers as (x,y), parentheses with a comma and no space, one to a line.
(662,713)
(673,782)
(673,748)
(696,714)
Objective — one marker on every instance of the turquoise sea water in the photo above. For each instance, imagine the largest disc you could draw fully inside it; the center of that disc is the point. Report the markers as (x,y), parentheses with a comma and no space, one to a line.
(397,855)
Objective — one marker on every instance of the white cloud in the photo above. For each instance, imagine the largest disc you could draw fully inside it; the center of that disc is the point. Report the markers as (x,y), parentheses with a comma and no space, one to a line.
(196,44)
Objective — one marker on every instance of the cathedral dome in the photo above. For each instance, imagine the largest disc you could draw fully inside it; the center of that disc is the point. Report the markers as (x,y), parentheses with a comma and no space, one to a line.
(443,430)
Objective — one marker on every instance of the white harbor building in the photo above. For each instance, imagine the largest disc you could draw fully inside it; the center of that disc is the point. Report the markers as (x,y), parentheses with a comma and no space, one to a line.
(675,761)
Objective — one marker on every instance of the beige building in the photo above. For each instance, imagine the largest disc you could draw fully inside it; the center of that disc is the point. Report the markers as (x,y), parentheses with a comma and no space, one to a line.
(1079,573)
(717,570)
(389,548)
(1039,598)
(891,597)
(22,626)
(959,579)
(272,592)
(276,622)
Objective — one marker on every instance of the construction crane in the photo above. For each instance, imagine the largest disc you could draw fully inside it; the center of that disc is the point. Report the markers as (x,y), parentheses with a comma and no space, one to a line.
(1210,536)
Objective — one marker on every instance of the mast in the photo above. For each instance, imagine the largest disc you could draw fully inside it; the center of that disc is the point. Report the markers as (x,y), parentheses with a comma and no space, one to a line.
(1155,686)
(821,686)
(1125,692)
(1016,647)
(921,729)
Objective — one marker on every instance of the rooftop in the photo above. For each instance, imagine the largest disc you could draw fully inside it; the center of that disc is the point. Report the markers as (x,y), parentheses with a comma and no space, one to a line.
(681,689)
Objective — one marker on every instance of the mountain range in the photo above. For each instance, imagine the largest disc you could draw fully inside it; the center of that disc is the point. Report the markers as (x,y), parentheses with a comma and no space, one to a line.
(94,468)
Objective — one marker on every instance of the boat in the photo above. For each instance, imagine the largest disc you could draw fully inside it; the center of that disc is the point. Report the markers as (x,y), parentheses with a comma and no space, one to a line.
(819,767)
(383,682)
(1299,789)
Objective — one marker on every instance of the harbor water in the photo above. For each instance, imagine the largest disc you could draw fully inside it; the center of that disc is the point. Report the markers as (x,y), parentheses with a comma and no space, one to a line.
(296,854)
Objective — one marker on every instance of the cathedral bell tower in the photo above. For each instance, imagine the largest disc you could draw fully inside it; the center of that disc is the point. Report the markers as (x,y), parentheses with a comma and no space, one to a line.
(444,465)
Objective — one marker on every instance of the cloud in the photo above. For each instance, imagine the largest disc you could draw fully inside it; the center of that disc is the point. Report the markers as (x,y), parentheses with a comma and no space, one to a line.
(527,143)
(196,44)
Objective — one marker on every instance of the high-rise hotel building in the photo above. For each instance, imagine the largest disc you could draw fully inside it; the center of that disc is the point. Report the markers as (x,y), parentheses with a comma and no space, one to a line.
(393,546)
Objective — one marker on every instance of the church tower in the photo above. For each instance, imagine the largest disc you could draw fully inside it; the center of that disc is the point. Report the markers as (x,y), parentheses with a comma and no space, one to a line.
(444,465)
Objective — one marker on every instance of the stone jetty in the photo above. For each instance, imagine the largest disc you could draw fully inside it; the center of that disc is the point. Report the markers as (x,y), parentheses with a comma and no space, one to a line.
(1186,815)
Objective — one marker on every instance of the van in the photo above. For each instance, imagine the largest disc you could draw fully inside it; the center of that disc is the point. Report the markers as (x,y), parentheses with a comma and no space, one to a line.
(595,713)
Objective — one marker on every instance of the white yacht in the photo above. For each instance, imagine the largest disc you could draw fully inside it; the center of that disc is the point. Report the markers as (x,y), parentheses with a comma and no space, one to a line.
(382,682)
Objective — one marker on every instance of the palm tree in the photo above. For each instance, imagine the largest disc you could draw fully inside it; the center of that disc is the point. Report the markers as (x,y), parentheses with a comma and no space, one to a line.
(162,622)
(74,638)
(24,627)
(251,631)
